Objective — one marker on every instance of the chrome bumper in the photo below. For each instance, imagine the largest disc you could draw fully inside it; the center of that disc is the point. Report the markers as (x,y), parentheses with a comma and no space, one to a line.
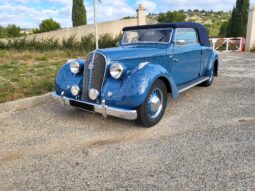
(103,109)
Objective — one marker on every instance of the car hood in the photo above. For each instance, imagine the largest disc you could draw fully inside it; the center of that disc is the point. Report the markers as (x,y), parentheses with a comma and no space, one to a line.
(133,52)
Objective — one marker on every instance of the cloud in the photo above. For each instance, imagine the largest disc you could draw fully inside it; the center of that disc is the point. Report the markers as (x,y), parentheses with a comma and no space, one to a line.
(225,5)
(27,17)
(29,14)
(110,10)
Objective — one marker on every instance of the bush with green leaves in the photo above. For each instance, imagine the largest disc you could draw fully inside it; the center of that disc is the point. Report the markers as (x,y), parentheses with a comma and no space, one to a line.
(2,32)
(47,25)
(13,31)
(86,43)
(173,16)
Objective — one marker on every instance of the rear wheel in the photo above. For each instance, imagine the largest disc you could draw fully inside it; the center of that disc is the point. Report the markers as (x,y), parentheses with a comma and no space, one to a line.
(210,81)
(153,108)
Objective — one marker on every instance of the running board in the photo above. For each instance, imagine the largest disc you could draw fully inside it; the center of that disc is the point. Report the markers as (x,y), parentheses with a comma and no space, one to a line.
(193,83)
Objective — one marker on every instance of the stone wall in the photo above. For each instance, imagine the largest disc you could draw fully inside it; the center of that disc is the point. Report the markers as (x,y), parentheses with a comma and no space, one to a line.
(112,27)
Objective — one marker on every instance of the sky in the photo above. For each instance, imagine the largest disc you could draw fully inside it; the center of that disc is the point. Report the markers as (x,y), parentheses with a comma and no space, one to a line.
(30,13)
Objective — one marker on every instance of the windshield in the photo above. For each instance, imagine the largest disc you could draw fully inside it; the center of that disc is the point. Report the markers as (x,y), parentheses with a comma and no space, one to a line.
(147,36)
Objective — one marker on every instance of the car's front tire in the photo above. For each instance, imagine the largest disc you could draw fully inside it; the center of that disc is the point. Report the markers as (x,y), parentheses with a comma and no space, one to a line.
(153,108)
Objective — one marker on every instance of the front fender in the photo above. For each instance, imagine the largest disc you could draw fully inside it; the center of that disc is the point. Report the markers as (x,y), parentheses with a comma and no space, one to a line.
(132,91)
(65,79)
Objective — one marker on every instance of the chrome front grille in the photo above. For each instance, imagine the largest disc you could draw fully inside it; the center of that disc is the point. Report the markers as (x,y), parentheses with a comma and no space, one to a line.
(94,71)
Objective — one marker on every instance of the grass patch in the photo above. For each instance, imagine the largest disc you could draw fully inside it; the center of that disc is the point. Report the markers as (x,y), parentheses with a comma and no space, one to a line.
(42,58)
(30,73)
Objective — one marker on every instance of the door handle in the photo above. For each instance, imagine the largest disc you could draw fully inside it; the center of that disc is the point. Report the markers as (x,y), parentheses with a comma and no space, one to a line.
(176,60)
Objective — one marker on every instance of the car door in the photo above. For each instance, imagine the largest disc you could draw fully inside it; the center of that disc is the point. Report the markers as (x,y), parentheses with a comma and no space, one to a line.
(185,56)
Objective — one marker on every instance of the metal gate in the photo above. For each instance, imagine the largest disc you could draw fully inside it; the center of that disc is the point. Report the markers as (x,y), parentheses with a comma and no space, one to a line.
(236,44)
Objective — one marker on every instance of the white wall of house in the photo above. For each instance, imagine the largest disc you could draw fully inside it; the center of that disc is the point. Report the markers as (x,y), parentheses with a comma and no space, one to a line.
(250,36)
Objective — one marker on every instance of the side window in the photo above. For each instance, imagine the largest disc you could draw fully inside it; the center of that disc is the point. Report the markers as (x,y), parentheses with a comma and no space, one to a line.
(189,35)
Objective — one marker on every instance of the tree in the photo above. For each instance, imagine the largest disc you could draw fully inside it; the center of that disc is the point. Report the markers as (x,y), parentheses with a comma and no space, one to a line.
(47,25)
(12,31)
(171,17)
(223,29)
(239,18)
(2,32)
(79,13)
(128,17)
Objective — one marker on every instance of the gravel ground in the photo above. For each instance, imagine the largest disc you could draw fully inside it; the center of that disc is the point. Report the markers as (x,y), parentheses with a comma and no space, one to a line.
(206,141)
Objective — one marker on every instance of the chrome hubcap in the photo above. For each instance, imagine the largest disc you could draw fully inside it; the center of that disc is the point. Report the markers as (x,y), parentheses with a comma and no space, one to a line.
(211,77)
(155,103)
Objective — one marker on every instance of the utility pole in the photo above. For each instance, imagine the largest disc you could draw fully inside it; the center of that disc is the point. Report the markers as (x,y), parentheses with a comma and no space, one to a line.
(95,23)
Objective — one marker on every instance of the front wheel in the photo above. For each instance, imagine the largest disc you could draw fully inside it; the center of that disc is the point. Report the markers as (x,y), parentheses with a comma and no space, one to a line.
(153,108)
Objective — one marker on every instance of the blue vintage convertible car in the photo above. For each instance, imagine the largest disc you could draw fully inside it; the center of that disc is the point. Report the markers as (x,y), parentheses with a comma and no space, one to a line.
(132,80)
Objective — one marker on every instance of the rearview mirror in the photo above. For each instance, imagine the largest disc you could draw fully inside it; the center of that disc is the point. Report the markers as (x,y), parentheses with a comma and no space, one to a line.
(180,42)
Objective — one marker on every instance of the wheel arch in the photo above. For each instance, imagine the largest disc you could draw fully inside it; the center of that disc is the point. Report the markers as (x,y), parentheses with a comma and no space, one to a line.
(215,67)
(170,85)
(167,83)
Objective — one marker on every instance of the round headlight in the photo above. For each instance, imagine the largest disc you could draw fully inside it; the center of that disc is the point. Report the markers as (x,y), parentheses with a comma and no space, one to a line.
(116,71)
(75,67)
(75,90)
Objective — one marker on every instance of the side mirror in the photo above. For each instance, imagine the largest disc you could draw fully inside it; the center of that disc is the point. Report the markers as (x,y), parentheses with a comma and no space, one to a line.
(179,42)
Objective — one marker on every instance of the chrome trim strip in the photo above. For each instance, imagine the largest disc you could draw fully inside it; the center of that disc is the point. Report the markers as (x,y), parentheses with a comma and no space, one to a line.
(105,70)
(103,109)
(192,85)
(90,70)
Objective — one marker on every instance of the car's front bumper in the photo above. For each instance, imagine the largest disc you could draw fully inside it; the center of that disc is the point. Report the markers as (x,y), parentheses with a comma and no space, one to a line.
(98,108)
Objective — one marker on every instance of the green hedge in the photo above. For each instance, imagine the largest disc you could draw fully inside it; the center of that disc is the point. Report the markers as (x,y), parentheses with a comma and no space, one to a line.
(86,43)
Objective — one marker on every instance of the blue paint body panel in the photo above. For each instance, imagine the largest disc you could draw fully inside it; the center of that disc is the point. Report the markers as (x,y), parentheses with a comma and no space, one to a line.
(176,65)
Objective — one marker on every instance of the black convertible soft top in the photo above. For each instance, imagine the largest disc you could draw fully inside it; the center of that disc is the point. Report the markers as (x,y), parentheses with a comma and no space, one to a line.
(202,33)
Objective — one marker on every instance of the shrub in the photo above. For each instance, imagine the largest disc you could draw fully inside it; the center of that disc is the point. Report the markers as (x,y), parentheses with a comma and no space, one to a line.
(70,43)
(107,40)
(86,43)
(13,31)
(2,32)
(47,25)
(171,17)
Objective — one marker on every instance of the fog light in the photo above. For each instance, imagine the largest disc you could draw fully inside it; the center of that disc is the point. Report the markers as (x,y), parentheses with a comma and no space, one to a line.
(93,94)
(75,90)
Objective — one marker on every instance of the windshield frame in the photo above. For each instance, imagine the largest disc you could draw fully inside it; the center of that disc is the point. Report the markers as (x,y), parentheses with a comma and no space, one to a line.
(148,42)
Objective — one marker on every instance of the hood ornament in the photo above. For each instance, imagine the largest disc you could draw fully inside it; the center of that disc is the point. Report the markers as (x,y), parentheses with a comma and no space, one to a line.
(91,66)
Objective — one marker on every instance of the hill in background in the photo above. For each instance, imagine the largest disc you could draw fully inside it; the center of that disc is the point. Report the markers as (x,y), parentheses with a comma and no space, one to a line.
(210,19)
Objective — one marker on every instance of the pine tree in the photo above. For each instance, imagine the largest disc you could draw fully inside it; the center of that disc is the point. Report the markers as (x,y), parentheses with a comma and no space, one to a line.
(238,22)
(79,12)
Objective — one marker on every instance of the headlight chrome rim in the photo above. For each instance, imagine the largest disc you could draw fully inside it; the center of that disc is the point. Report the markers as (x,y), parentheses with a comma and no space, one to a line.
(116,70)
(75,90)
(75,67)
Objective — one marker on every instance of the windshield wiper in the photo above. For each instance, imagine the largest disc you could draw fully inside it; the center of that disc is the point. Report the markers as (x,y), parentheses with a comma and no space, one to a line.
(160,40)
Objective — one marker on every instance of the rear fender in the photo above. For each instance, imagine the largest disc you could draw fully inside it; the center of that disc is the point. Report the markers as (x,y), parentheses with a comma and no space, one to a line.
(213,58)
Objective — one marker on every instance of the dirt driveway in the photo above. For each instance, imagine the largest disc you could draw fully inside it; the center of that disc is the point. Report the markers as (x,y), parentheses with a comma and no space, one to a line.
(206,141)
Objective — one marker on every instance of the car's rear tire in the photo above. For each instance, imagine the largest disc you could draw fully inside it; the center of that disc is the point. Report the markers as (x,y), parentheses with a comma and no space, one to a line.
(210,81)
(153,108)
